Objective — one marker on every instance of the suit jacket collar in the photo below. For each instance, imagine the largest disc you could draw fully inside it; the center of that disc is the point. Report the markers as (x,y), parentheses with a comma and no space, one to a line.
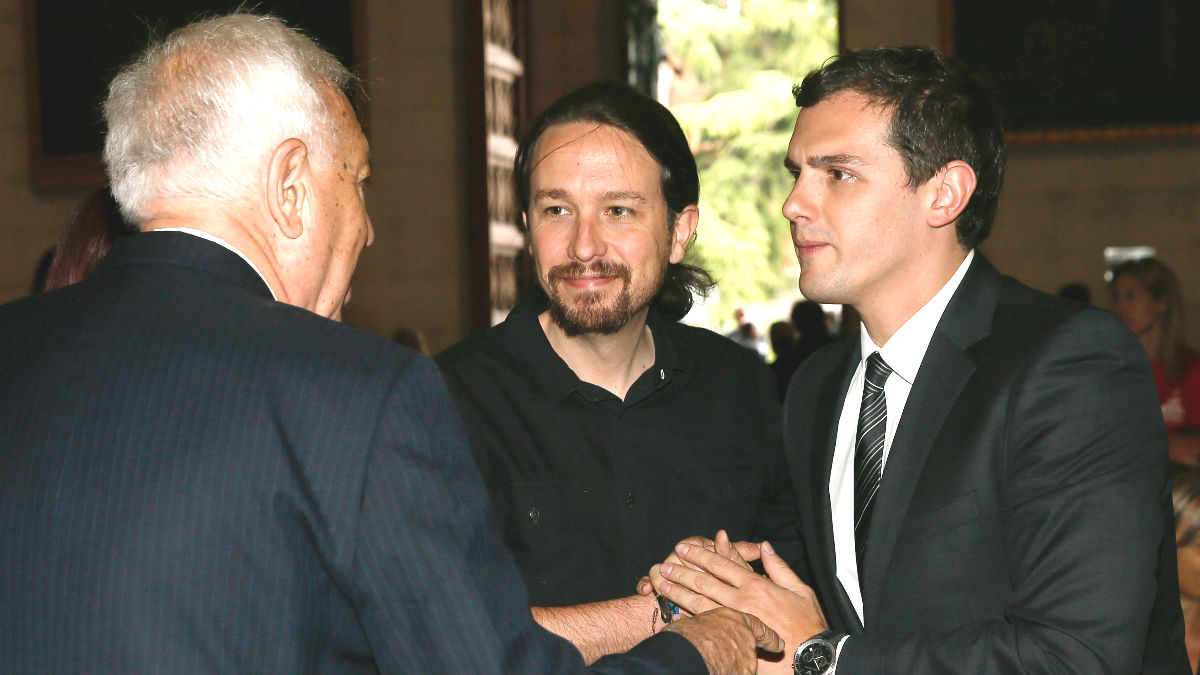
(945,370)
(180,248)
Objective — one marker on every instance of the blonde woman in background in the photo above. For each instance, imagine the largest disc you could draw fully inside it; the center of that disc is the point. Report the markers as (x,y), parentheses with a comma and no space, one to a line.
(1147,299)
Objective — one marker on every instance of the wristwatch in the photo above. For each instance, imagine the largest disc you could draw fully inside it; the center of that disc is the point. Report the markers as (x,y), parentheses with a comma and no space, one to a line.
(818,654)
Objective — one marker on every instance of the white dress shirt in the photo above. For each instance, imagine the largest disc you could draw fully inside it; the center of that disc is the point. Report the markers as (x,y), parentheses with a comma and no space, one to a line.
(903,352)
(221,242)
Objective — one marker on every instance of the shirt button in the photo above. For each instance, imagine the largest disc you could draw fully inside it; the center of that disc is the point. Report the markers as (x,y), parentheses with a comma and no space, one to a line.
(662,374)
(631,500)
(534,515)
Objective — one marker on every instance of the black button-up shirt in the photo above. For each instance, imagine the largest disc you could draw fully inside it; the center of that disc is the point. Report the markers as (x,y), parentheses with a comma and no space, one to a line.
(591,490)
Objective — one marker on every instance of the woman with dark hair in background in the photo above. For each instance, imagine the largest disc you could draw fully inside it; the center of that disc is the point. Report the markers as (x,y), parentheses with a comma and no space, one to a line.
(1147,299)
(94,228)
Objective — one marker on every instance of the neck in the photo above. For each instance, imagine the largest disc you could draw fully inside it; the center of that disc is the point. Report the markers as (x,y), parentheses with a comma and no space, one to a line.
(230,222)
(885,314)
(613,362)
(1151,340)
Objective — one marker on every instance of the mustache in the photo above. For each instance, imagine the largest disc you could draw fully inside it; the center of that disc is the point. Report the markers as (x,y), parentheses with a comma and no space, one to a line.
(574,269)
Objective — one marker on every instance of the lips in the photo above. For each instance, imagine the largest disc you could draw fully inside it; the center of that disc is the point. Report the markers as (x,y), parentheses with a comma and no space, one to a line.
(806,248)
(588,277)
(588,282)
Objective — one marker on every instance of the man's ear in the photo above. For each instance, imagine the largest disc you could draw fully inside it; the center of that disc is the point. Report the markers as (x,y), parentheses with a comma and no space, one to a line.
(951,189)
(287,187)
(682,230)
(528,234)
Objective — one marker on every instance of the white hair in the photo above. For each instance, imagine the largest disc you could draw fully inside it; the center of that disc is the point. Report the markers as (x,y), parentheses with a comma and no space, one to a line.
(198,114)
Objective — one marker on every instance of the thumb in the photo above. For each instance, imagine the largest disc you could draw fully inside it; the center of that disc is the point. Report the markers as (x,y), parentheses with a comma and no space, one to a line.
(728,550)
(765,638)
(748,550)
(778,570)
(643,586)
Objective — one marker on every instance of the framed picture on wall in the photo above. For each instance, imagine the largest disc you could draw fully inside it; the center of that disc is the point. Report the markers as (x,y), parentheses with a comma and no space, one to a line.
(73,49)
(1082,70)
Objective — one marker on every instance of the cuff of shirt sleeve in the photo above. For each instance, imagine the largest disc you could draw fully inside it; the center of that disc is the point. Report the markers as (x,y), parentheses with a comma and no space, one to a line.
(837,651)
(664,652)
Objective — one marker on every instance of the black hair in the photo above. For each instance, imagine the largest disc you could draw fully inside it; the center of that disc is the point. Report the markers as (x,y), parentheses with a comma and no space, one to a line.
(940,112)
(647,120)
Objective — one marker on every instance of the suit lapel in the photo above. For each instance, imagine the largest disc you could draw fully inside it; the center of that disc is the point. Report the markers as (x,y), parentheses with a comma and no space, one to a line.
(945,370)
(826,413)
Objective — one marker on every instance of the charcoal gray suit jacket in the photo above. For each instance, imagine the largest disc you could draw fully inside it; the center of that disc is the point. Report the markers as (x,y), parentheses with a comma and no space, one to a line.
(196,478)
(1023,523)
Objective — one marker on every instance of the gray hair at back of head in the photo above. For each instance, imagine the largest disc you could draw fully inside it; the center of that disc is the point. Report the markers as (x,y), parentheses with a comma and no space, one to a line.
(198,114)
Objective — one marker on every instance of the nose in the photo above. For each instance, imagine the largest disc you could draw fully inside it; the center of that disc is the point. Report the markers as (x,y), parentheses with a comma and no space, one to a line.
(370,232)
(798,205)
(588,241)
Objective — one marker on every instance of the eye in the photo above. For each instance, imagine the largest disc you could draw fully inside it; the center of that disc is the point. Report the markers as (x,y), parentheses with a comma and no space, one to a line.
(555,211)
(840,176)
(619,211)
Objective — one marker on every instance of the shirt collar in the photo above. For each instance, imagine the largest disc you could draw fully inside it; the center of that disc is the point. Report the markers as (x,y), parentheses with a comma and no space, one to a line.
(905,350)
(221,242)
(551,377)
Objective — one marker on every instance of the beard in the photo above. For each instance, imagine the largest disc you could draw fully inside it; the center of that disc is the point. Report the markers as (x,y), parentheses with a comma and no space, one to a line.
(600,312)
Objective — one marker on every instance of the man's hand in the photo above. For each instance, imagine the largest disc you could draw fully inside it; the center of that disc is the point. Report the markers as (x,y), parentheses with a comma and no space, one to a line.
(740,552)
(707,580)
(728,640)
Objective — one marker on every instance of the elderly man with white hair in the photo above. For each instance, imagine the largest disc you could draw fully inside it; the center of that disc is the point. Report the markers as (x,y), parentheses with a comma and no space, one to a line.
(200,471)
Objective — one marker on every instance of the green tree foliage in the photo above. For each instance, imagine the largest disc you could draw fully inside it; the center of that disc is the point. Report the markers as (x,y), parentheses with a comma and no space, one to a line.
(747,54)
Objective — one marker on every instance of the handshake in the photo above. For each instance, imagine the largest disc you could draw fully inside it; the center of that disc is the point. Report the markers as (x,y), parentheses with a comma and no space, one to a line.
(740,621)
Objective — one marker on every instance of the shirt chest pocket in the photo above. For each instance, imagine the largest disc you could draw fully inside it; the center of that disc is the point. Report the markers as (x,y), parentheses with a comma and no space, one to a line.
(721,495)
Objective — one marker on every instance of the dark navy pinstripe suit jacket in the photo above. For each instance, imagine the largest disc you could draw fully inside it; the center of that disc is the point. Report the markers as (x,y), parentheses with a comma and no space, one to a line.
(196,478)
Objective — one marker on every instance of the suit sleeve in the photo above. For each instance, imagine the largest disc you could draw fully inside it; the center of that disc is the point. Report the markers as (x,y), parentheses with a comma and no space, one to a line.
(1083,471)
(778,520)
(434,587)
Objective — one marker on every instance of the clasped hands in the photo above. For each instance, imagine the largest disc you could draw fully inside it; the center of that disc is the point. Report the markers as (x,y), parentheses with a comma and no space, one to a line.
(703,574)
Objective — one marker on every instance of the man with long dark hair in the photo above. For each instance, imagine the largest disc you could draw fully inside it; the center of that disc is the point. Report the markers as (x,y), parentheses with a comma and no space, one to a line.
(606,430)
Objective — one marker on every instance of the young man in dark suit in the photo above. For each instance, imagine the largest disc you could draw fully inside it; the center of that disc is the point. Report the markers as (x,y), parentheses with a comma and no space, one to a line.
(982,471)
(200,471)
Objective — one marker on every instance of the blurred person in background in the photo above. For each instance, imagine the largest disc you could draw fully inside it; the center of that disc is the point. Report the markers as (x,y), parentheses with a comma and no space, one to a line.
(783,344)
(1147,298)
(1185,495)
(91,232)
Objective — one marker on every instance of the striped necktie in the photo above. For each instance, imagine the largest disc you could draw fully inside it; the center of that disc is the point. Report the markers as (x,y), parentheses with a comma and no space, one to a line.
(868,450)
